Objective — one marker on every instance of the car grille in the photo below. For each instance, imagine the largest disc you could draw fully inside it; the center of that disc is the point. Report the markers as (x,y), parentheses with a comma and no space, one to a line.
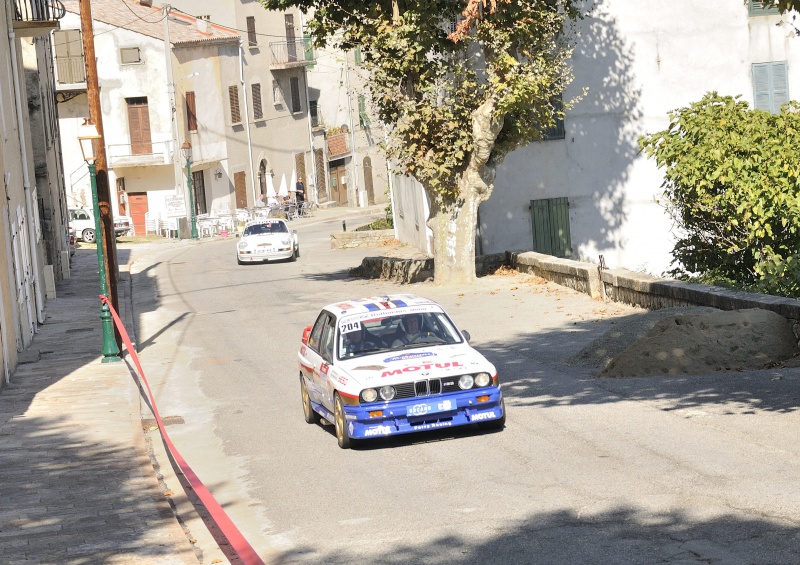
(427,387)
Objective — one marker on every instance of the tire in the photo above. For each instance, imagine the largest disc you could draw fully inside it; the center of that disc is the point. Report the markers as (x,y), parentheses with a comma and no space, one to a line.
(309,415)
(239,261)
(340,423)
(294,256)
(297,252)
(88,236)
(498,424)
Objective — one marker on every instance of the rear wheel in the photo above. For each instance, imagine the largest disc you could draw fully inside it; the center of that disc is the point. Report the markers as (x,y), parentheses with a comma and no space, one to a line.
(340,422)
(88,236)
(498,424)
(309,415)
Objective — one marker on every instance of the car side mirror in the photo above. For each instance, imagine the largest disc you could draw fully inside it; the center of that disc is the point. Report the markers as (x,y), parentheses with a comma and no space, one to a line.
(306,333)
(466,335)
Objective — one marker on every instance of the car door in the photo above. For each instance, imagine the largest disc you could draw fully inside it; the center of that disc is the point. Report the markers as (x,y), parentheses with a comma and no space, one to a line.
(324,384)
(311,359)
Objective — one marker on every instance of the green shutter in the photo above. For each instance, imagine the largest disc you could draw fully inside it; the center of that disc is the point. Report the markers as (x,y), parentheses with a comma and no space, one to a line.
(756,8)
(770,86)
(308,47)
(357,55)
(780,85)
(550,227)
(763,99)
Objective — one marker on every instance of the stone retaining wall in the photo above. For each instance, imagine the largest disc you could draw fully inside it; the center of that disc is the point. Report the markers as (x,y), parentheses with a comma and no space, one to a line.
(616,285)
(366,238)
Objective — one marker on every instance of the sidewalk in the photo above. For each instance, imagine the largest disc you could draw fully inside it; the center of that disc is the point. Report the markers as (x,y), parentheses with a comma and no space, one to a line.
(77,485)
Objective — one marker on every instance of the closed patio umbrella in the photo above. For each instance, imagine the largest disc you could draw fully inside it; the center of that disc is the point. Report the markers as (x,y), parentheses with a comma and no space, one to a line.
(283,190)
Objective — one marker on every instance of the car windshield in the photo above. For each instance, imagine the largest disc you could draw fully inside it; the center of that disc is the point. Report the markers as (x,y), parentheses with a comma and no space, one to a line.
(358,336)
(266,228)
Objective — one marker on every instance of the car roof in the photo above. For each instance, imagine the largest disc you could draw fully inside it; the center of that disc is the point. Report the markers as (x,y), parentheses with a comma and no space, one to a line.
(378,303)
(265,221)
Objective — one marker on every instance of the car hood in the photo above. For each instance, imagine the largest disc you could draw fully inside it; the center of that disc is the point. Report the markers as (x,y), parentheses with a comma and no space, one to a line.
(396,367)
(266,238)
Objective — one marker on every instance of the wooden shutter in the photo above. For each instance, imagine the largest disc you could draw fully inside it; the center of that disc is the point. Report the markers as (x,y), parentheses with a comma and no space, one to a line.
(770,86)
(300,167)
(780,85)
(191,112)
(139,125)
(550,226)
(258,110)
(251,31)
(69,56)
(233,95)
(357,55)
(756,8)
(295,82)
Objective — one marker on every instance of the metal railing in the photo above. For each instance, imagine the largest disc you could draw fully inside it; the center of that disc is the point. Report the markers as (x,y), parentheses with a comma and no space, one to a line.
(292,53)
(38,10)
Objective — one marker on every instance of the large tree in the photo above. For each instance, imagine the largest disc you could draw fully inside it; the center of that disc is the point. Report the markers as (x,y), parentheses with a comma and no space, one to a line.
(456,100)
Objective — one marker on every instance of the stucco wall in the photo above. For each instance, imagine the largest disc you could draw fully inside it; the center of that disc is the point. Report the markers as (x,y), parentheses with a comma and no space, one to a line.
(639,60)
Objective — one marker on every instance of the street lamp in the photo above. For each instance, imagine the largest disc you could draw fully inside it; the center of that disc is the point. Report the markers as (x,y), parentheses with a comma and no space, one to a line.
(87,137)
(186,149)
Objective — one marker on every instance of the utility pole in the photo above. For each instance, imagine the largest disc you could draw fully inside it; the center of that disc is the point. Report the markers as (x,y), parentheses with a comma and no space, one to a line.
(109,241)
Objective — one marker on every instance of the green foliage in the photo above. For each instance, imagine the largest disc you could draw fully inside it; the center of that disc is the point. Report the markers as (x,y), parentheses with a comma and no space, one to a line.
(733,187)
(426,87)
(379,224)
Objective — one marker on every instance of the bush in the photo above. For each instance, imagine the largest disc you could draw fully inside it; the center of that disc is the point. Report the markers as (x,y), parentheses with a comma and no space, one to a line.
(732,185)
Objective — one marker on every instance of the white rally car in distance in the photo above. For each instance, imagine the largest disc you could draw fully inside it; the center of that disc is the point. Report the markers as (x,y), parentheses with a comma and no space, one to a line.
(267,240)
(394,365)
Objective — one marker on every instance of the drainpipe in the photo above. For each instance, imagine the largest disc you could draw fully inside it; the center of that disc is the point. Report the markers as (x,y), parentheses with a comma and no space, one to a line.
(308,115)
(247,123)
(354,153)
(176,161)
(26,180)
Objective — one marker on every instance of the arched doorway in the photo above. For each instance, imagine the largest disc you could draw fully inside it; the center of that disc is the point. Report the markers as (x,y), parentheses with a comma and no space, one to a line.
(368,180)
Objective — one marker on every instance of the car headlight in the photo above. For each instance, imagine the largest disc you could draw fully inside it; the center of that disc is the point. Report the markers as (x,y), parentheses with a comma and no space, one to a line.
(286,241)
(243,244)
(369,395)
(387,392)
(483,379)
(465,382)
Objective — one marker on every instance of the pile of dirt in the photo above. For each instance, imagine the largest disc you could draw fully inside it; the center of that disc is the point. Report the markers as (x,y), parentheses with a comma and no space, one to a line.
(697,343)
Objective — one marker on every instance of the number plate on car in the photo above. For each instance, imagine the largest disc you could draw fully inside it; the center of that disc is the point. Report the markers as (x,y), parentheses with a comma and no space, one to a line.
(424,408)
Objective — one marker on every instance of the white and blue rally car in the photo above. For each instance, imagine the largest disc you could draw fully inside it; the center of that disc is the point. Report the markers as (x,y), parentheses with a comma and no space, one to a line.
(393,365)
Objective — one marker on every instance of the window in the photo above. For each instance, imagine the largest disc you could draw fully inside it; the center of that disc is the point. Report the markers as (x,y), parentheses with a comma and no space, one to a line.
(295,84)
(756,8)
(363,119)
(770,86)
(550,226)
(69,56)
(312,111)
(316,334)
(251,31)
(129,55)
(233,95)
(191,112)
(258,110)
(277,95)
(557,130)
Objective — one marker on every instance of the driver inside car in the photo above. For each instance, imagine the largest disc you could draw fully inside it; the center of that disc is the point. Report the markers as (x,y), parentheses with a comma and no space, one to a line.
(359,341)
(413,331)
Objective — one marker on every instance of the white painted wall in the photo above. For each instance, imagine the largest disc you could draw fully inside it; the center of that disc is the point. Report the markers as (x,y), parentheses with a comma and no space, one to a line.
(639,60)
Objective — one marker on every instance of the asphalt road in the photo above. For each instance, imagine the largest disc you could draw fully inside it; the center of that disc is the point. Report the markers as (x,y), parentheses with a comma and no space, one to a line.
(641,471)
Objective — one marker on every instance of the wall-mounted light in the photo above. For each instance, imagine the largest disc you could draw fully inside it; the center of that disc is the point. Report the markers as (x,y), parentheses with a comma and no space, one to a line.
(218,174)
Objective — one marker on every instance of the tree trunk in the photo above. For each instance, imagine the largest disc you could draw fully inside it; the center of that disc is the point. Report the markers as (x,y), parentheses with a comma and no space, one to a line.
(454,220)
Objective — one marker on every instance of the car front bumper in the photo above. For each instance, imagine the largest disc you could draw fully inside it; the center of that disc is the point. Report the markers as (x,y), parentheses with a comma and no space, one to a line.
(260,255)
(424,413)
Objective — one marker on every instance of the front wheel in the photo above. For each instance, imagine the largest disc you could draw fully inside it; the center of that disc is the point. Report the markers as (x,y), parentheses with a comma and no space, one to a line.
(340,422)
(309,415)
(88,236)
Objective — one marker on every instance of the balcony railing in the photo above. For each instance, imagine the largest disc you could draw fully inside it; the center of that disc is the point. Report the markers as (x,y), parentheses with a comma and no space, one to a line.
(141,155)
(290,54)
(38,10)
(37,17)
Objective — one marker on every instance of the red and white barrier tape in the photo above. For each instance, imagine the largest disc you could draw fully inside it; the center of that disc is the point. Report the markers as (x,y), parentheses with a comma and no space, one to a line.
(240,545)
